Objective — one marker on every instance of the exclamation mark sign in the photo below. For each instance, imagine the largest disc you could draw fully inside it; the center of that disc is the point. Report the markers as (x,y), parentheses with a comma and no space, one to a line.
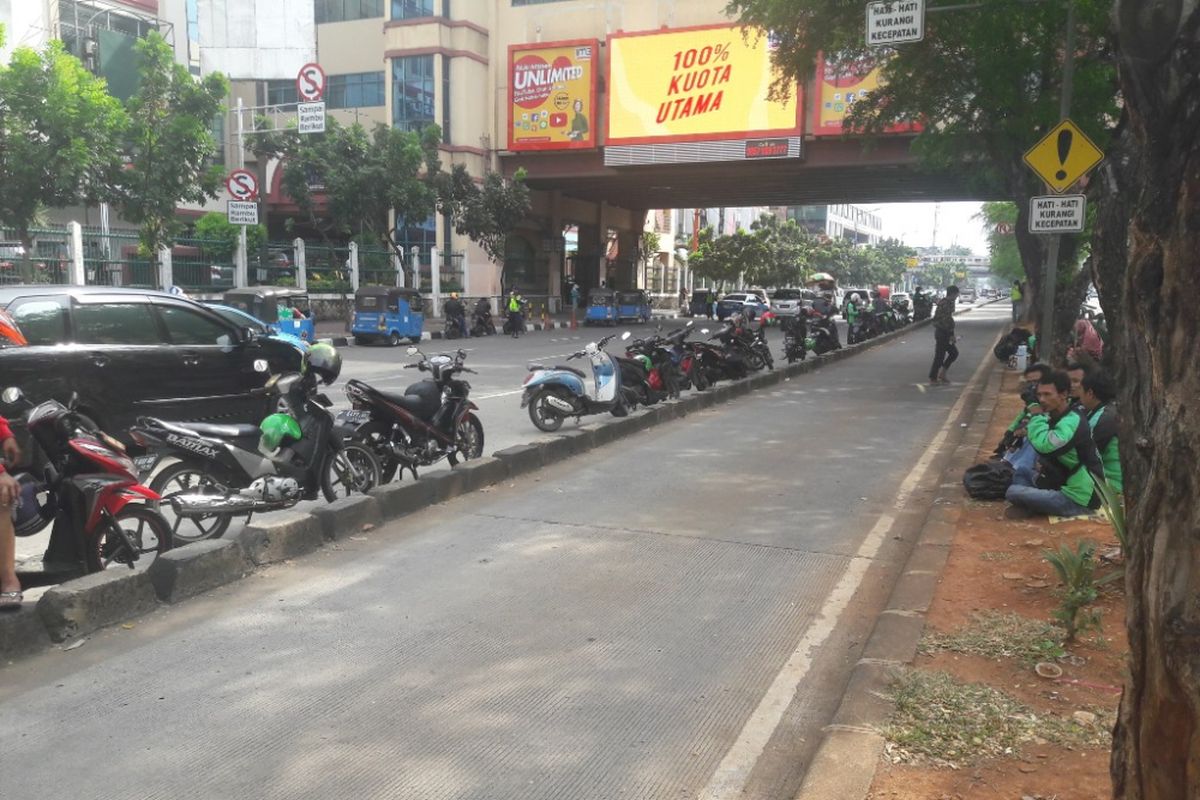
(1065,138)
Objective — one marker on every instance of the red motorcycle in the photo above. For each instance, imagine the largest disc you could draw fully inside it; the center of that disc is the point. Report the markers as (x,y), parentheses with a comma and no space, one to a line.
(102,514)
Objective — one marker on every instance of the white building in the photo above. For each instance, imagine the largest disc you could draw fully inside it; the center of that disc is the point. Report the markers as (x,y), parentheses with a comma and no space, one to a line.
(839,221)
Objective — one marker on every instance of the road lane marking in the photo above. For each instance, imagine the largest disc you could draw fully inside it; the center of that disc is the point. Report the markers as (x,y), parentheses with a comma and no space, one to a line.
(729,780)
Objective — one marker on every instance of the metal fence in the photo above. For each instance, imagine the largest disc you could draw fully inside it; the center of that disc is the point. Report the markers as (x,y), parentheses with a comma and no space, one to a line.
(48,260)
(450,274)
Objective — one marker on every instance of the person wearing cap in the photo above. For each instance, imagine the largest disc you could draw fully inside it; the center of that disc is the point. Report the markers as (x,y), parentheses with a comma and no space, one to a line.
(10,491)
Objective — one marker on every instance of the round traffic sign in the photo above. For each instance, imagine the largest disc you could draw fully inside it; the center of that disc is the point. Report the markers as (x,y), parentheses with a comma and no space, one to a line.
(1004,228)
(310,83)
(242,184)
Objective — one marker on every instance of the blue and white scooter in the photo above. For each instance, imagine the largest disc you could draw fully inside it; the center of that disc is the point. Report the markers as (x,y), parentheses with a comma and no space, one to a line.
(555,393)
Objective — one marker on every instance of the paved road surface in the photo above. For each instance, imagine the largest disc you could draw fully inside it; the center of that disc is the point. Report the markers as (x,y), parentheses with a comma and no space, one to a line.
(615,627)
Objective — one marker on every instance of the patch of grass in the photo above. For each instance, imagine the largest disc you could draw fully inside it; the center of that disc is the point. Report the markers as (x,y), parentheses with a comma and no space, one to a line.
(996,555)
(939,720)
(992,634)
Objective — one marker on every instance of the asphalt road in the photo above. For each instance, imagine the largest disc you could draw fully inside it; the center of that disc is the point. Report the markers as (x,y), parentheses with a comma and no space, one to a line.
(670,616)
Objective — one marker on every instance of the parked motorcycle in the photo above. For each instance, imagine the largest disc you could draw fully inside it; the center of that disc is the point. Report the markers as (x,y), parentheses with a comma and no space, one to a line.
(223,471)
(823,335)
(717,362)
(922,307)
(431,420)
(482,323)
(795,339)
(103,516)
(554,393)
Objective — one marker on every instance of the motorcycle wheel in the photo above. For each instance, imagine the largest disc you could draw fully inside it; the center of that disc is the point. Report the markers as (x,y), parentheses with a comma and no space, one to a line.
(354,469)
(185,478)
(145,528)
(468,439)
(394,340)
(699,376)
(375,436)
(754,360)
(544,416)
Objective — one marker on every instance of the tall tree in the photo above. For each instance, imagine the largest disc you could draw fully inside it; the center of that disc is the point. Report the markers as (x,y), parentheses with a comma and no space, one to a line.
(1149,280)
(724,259)
(787,250)
(1002,247)
(59,137)
(168,143)
(347,180)
(987,80)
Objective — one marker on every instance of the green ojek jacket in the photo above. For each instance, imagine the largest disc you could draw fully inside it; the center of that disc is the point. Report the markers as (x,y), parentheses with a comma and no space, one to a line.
(1103,420)
(1048,435)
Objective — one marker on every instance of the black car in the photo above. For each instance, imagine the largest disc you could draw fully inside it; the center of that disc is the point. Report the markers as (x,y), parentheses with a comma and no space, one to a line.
(129,352)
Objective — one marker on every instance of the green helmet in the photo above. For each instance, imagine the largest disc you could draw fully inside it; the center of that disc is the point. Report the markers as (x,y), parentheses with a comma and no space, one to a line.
(275,428)
(645,361)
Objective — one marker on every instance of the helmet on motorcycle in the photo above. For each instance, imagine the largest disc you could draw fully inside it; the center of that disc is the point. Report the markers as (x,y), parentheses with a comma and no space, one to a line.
(644,360)
(29,516)
(276,428)
(323,361)
(10,334)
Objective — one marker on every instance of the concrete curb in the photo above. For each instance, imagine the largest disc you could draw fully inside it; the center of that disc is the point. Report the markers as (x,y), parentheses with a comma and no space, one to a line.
(86,604)
(844,765)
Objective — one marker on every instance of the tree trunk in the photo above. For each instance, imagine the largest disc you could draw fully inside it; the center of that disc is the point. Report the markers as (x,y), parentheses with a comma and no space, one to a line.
(1156,745)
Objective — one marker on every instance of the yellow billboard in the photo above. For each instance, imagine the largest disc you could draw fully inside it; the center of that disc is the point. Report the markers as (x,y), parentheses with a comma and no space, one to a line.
(694,84)
(552,95)
(839,84)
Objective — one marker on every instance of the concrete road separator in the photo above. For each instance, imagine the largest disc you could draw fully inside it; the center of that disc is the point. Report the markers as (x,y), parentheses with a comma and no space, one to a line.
(187,571)
(279,537)
(86,604)
(347,516)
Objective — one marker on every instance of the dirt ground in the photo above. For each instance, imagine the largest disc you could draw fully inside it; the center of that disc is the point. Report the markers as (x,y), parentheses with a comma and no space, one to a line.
(997,564)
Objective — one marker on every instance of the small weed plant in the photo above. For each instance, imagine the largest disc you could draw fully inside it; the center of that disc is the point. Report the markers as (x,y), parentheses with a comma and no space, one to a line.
(1077,571)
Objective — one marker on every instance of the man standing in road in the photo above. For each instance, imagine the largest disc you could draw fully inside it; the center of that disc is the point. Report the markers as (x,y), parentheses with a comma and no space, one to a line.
(944,352)
(1015,294)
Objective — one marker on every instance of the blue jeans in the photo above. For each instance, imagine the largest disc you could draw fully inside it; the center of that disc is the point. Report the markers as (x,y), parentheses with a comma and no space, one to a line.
(1023,493)
(1022,459)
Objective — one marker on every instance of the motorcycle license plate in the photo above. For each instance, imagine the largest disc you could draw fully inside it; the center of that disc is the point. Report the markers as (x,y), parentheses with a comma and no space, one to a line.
(353,417)
(145,464)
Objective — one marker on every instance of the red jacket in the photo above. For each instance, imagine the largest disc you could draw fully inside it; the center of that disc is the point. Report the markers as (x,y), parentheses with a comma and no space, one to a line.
(5,434)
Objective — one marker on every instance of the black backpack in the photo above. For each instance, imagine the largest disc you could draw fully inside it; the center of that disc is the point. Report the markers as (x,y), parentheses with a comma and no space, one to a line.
(1006,348)
(989,480)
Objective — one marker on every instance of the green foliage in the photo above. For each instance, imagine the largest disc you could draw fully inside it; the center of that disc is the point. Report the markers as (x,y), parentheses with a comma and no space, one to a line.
(168,142)
(1006,258)
(59,137)
(724,258)
(786,252)
(1113,507)
(1076,569)
(651,241)
(221,236)
(364,176)
(486,214)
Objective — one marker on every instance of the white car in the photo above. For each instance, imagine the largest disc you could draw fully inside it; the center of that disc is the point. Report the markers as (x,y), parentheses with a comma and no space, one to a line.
(789,302)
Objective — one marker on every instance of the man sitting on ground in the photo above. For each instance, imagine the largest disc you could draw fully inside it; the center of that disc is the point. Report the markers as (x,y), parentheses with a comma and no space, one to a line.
(1014,446)
(1096,394)
(1060,484)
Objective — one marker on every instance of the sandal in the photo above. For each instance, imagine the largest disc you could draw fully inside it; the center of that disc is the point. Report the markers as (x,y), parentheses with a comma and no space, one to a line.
(11,601)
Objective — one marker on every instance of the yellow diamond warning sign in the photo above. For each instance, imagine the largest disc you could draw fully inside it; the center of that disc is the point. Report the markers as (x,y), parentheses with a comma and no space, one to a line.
(1063,156)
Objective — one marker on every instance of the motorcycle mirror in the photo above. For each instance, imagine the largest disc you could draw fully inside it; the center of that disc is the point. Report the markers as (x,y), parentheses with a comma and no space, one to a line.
(73,403)
(625,336)
(412,350)
(11,395)
(690,323)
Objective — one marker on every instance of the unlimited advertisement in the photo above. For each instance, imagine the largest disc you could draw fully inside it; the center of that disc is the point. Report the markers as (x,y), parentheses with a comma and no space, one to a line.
(840,83)
(694,84)
(552,95)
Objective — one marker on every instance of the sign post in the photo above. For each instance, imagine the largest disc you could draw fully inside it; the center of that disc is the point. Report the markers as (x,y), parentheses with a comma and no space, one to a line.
(243,188)
(895,22)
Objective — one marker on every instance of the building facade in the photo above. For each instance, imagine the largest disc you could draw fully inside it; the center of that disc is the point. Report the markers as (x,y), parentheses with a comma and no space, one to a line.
(839,221)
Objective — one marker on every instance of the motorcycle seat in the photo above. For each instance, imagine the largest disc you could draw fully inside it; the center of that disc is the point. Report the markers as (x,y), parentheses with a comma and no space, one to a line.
(565,368)
(236,431)
(421,403)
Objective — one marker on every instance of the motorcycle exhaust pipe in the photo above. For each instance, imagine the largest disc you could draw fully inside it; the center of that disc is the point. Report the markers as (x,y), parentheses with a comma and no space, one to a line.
(199,505)
(558,404)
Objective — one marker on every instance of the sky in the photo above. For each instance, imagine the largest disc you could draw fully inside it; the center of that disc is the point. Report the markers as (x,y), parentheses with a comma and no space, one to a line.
(912,223)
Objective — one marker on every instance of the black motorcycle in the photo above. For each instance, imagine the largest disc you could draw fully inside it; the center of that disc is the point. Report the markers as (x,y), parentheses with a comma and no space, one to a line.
(431,420)
(795,339)
(482,323)
(823,335)
(922,307)
(223,471)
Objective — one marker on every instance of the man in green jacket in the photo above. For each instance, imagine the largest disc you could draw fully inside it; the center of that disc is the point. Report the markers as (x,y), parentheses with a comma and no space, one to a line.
(1096,394)
(1060,485)
(853,309)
